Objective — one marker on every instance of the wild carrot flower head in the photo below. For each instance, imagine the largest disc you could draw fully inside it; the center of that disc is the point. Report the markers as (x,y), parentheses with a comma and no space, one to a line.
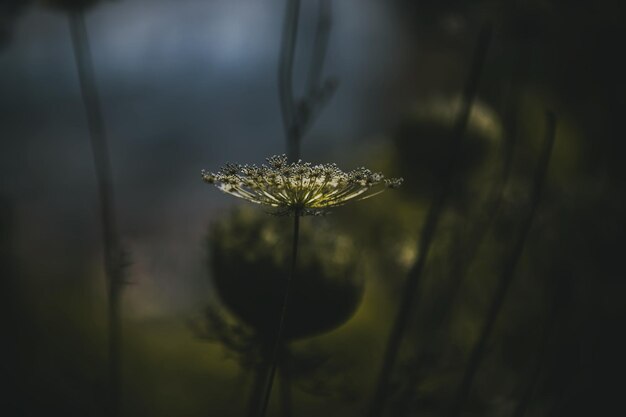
(298,186)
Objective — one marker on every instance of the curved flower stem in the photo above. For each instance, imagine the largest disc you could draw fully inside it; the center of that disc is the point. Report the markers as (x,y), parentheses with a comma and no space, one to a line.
(427,236)
(258,387)
(477,234)
(112,248)
(285,79)
(320,46)
(508,271)
(299,113)
(281,323)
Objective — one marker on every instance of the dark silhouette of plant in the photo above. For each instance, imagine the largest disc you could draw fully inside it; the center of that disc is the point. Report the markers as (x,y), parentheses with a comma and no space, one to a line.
(115,259)
(299,114)
(508,271)
(247,255)
(430,226)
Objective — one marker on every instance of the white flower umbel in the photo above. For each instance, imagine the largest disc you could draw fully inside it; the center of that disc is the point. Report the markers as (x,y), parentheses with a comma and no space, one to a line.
(298,187)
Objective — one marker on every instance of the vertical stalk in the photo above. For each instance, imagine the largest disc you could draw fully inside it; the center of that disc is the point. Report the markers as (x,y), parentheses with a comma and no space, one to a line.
(299,114)
(320,46)
(258,387)
(478,230)
(430,226)
(508,272)
(281,322)
(285,80)
(295,122)
(112,250)
(561,297)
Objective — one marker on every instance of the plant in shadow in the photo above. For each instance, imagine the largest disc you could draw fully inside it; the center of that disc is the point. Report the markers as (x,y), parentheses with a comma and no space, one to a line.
(248,259)
(442,192)
(296,189)
(578,358)
(422,142)
(248,253)
(115,257)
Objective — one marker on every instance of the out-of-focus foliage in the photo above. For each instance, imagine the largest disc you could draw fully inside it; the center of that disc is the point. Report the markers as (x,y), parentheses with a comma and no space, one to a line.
(559,331)
(249,257)
(422,143)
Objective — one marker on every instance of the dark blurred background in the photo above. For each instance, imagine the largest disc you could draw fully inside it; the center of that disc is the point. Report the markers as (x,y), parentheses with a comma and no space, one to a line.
(192,84)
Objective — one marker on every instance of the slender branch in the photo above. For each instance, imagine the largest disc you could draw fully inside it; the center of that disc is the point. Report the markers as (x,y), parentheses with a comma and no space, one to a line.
(319,91)
(458,272)
(320,46)
(298,115)
(285,79)
(508,270)
(112,249)
(281,323)
(258,386)
(430,227)
(479,229)
(561,293)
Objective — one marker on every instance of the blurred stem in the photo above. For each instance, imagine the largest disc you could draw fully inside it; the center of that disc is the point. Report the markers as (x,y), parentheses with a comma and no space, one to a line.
(281,322)
(508,270)
(99,146)
(430,226)
(561,294)
(285,79)
(298,115)
(478,229)
(320,46)
(258,387)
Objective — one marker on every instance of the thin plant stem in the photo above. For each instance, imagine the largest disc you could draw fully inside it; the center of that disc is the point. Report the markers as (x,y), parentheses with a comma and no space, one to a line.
(112,248)
(430,226)
(285,79)
(508,272)
(278,342)
(258,387)
(561,294)
(478,230)
(298,115)
(295,122)
(320,46)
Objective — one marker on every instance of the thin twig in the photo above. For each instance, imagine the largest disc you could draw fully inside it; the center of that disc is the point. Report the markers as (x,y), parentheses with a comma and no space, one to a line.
(112,249)
(430,226)
(561,293)
(281,323)
(258,386)
(508,270)
(320,46)
(298,115)
(285,79)
(478,232)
